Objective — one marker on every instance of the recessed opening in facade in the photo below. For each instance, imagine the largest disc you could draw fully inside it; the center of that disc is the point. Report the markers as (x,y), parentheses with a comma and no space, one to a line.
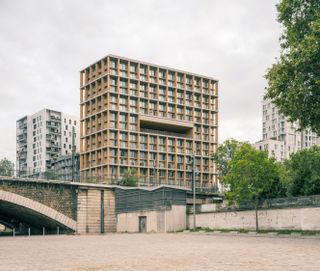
(164,126)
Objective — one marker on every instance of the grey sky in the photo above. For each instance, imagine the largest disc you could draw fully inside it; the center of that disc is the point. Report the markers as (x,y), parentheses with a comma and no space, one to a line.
(44,45)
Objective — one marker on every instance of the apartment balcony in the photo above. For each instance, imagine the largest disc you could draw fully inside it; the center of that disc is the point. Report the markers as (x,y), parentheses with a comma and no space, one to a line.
(23,126)
(22,149)
(55,118)
(53,145)
(22,132)
(54,131)
(53,125)
(52,150)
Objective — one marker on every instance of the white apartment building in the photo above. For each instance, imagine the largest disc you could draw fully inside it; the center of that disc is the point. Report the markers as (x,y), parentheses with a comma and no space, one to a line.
(280,136)
(275,148)
(42,138)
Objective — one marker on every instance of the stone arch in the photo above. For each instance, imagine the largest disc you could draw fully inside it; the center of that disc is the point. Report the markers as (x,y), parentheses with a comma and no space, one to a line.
(37,208)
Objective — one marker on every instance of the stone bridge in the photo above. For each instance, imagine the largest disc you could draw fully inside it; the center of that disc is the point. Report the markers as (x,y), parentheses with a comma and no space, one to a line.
(67,206)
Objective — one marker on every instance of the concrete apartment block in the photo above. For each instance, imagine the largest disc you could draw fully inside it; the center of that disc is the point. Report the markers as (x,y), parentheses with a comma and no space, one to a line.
(42,138)
(281,137)
(275,148)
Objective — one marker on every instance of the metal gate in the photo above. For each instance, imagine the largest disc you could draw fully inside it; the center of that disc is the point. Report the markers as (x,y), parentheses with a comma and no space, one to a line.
(142,223)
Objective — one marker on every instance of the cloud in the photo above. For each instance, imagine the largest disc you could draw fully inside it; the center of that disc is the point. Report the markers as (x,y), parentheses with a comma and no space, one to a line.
(44,45)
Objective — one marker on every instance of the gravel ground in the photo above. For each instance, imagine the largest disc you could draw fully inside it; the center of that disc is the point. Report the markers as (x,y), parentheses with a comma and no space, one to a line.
(158,252)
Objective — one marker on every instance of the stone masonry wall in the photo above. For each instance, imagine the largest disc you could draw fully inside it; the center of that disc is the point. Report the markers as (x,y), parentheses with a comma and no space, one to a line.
(62,198)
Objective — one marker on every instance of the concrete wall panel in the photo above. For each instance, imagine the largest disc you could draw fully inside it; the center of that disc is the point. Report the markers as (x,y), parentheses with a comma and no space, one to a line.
(290,218)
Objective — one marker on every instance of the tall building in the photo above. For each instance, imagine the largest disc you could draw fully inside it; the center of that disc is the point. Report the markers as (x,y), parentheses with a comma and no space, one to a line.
(150,118)
(67,167)
(280,136)
(42,138)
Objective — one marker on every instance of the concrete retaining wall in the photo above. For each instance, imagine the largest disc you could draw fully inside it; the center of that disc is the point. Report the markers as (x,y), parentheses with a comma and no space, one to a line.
(170,220)
(90,212)
(290,218)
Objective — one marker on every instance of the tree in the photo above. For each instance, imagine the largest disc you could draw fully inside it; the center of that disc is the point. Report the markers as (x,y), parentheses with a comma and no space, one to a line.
(129,178)
(6,167)
(304,172)
(252,176)
(294,81)
(49,174)
(224,155)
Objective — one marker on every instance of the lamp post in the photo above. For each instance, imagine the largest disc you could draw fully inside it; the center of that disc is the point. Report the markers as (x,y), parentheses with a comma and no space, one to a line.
(72,155)
(154,171)
(194,190)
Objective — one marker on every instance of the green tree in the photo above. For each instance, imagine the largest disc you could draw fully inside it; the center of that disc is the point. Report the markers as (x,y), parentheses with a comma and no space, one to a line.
(6,167)
(49,174)
(251,177)
(224,155)
(304,172)
(129,178)
(294,81)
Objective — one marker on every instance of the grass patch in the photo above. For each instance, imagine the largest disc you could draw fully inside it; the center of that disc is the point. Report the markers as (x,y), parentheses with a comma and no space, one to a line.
(288,232)
(221,230)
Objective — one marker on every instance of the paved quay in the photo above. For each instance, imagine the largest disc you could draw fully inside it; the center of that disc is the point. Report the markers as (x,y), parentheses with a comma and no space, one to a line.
(181,251)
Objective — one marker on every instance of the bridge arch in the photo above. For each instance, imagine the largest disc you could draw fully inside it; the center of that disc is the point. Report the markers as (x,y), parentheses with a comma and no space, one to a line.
(36,214)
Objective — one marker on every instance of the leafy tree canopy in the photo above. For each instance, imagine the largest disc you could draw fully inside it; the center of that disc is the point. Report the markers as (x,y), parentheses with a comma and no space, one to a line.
(129,178)
(49,174)
(6,167)
(224,155)
(294,81)
(304,172)
(252,176)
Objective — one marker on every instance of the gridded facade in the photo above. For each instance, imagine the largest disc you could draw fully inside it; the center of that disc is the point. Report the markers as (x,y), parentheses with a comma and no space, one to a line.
(149,118)
(43,137)
(62,168)
(22,134)
(277,127)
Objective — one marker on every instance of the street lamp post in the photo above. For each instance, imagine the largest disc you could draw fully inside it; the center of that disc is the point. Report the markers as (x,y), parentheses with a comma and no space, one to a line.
(73,154)
(154,172)
(194,191)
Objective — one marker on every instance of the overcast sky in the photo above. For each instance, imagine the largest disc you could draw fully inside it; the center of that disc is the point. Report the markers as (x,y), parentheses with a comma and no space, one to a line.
(44,45)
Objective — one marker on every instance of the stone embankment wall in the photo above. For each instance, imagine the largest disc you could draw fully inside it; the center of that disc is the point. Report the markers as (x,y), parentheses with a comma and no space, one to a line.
(285,218)
(60,197)
(92,207)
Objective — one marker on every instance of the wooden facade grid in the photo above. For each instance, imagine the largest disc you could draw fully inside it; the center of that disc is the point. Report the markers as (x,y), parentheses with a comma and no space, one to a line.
(105,105)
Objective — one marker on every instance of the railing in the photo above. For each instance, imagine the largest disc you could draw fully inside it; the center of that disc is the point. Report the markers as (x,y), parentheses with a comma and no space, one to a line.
(65,174)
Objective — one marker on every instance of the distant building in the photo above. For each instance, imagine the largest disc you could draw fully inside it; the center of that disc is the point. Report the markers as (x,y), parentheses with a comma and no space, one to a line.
(148,118)
(42,138)
(275,148)
(280,136)
(62,168)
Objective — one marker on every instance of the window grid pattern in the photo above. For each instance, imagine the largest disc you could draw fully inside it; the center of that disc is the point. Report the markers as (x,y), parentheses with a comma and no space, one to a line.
(115,93)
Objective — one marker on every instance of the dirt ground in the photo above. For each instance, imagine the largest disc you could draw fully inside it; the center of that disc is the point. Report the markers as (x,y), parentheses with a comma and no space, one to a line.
(182,251)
